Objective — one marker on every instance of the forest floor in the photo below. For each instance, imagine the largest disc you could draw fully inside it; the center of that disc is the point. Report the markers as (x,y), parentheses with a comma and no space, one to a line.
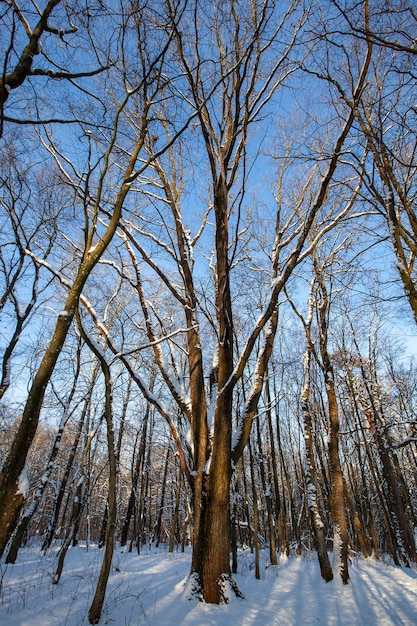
(149,589)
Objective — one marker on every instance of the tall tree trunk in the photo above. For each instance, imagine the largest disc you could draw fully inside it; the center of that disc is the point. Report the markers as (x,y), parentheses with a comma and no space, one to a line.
(340,528)
(311,473)
(211,562)
(98,600)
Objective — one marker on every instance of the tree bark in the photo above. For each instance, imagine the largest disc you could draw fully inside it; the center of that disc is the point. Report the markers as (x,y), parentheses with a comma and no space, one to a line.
(94,613)
(340,529)
(311,473)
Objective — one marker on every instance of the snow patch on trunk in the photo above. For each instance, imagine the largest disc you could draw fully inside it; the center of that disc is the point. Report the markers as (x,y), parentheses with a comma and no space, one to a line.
(23,484)
(337,555)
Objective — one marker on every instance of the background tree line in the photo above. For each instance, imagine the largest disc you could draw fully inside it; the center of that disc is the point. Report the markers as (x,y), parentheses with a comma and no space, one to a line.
(208,238)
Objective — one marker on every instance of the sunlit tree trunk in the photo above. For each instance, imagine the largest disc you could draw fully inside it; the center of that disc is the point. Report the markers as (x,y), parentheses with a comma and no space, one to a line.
(340,528)
(100,592)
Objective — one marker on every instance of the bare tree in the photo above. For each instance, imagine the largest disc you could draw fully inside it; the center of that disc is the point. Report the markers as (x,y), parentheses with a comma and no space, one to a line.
(96,195)
(308,418)
(208,399)
(385,115)
(43,31)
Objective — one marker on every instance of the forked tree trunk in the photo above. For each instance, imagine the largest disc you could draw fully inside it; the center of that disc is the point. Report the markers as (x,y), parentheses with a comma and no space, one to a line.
(210,572)
(211,561)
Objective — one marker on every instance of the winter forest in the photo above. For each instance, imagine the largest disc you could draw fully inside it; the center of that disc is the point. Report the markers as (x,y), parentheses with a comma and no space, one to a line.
(208,298)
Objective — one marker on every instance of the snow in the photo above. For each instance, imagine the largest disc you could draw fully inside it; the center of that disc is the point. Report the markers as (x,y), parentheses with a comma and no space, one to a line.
(150,589)
(23,485)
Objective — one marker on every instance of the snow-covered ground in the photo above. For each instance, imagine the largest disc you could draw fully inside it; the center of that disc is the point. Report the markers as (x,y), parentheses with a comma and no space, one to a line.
(149,589)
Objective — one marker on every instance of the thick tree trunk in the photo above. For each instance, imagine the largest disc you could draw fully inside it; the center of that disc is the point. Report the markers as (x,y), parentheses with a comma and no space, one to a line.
(210,573)
(210,569)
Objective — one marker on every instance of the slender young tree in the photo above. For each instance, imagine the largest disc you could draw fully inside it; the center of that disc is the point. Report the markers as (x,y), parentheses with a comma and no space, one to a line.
(307,411)
(98,600)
